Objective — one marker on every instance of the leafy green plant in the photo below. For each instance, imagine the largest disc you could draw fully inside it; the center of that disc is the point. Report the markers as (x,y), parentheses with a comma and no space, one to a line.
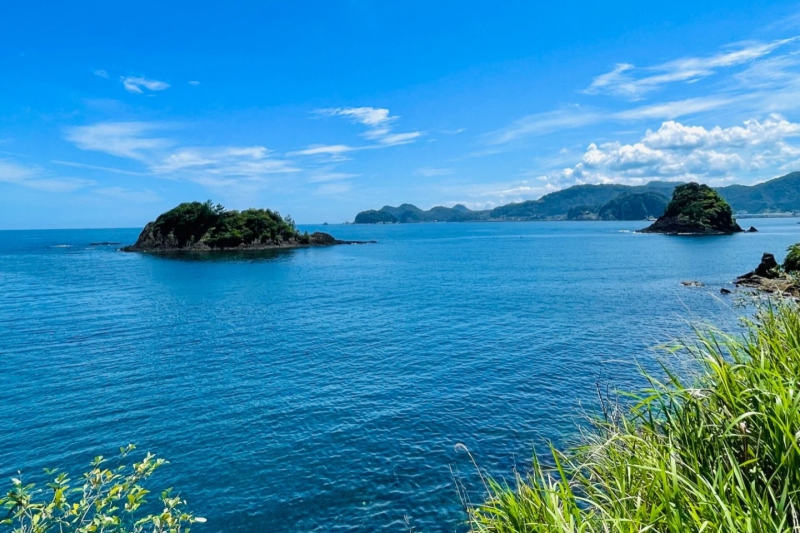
(792,261)
(107,499)
(719,452)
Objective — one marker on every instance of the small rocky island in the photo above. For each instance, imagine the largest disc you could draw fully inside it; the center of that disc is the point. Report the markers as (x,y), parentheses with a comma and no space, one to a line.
(770,276)
(205,227)
(695,209)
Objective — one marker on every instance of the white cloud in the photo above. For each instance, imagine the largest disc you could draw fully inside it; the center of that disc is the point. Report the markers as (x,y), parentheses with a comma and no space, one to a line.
(123,139)
(544,123)
(682,152)
(229,162)
(674,109)
(627,81)
(134,84)
(368,116)
(325,149)
(379,124)
(34,177)
(194,83)
(208,165)
(399,138)
(101,73)
(98,167)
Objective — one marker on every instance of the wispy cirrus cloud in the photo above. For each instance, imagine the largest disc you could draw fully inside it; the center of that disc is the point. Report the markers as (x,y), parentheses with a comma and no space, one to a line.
(137,84)
(372,117)
(35,177)
(148,143)
(634,83)
(131,140)
(379,129)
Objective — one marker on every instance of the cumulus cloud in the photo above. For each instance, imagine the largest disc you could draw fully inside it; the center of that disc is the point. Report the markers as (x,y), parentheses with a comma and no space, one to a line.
(677,151)
(136,84)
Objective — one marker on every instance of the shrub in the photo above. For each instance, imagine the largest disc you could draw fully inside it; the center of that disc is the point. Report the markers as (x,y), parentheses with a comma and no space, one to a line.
(792,261)
(718,453)
(108,499)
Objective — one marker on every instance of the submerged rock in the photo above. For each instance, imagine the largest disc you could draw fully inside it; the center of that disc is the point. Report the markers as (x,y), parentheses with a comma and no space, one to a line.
(695,210)
(692,283)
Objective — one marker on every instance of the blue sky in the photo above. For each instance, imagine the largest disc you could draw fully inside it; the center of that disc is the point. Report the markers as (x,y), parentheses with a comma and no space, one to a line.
(111,113)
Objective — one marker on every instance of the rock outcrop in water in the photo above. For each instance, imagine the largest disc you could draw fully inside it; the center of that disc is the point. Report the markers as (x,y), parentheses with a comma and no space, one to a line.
(695,210)
(770,276)
(204,227)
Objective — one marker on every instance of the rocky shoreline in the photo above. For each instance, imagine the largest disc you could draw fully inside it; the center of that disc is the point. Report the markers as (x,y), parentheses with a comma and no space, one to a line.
(770,278)
(148,242)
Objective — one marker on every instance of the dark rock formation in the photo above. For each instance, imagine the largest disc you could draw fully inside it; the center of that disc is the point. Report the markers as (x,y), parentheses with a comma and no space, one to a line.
(770,277)
(723,290)
(768,267)
(752,230)
(695,210)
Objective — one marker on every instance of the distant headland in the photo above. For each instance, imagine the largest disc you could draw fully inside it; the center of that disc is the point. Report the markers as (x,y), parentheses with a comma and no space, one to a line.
(601,202)
(205,227)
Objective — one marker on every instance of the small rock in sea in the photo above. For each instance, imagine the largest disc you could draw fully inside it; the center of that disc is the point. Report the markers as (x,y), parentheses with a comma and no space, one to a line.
(723,290)
(692,283)
(752,230)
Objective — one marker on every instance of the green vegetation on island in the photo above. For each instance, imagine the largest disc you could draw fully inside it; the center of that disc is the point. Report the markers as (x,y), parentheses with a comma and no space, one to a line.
(109,498)
(695,209)
(198,226)
(586,202)
(718,452)
(375,217)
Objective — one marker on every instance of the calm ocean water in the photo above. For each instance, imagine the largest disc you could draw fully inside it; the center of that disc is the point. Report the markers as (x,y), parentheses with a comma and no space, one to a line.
(326,389)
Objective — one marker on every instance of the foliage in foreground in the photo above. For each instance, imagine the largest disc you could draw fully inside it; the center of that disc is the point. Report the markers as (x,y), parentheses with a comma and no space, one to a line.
(107,499)
(719,454)
(792,261)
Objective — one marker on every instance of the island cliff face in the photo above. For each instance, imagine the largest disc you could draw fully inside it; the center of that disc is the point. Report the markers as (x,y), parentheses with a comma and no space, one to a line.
(695,210)
(202,227)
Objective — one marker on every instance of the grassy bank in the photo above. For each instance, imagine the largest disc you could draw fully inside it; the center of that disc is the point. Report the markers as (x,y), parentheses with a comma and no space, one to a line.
(716,452)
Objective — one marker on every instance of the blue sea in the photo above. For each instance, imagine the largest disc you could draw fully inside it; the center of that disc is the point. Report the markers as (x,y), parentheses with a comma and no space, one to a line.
(326,389)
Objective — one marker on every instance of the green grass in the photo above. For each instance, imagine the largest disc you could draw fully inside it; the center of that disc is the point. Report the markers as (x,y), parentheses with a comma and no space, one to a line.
(716,452)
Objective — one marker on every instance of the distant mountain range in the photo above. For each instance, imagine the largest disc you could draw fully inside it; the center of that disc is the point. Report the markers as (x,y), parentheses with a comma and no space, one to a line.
(600,202)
